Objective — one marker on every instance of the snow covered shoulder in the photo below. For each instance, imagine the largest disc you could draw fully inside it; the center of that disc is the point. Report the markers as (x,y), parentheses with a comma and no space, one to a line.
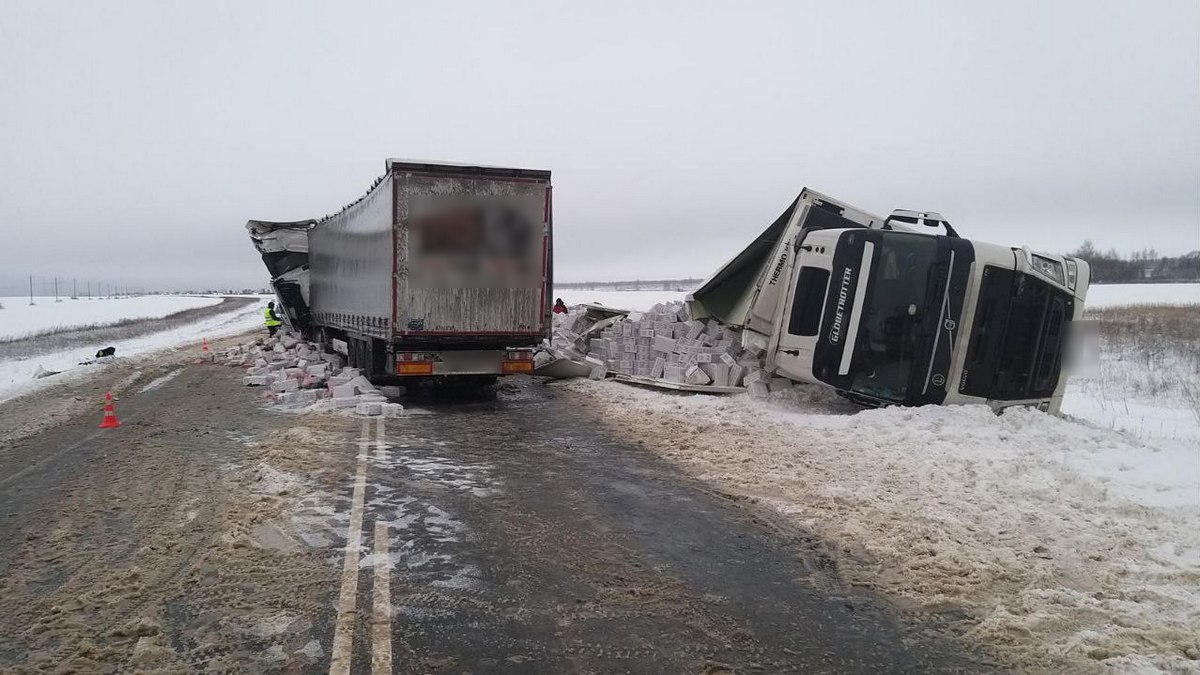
(1049,542)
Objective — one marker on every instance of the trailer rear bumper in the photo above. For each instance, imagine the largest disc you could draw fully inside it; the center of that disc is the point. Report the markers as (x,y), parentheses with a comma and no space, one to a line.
(430,363)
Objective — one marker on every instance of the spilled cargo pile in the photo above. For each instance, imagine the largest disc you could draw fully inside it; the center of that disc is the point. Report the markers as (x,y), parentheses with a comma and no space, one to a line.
(662,347)
(300,374)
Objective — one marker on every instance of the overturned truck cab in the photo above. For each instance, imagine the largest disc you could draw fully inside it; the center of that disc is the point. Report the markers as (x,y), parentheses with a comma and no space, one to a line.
(900,310)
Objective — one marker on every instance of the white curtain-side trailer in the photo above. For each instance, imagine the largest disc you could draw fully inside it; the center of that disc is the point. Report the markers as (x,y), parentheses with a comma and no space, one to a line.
(439,271)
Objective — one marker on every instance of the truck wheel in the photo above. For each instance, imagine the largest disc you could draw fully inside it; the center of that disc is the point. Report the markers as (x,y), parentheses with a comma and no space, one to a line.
(374,357)
(354,353)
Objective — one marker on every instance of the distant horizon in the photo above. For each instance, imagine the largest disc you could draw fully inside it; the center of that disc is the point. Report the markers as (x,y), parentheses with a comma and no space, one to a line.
(16,285)
(574,285)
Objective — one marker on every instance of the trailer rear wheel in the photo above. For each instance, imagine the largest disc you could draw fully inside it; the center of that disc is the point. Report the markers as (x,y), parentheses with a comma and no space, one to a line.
(369,355)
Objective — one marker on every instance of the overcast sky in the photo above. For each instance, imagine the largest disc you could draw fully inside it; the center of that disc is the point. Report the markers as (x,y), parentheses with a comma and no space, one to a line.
(136,138)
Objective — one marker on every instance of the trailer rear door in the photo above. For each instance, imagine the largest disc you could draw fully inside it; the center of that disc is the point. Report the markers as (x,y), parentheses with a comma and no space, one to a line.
(472,250)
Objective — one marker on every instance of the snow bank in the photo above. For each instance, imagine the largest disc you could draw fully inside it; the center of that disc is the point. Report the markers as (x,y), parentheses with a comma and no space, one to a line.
(1061,544)
(16,375)
(19,319)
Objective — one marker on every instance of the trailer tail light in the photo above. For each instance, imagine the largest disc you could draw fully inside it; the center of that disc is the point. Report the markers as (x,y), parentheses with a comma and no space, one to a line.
(414,367)
(415,363)
(517,362)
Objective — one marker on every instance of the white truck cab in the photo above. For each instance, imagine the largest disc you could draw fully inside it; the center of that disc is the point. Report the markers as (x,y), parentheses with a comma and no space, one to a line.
(887,312)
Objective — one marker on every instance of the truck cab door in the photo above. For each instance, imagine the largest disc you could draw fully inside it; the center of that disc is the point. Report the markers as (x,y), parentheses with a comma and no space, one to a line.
(816,214)
(799,322)
(799,304)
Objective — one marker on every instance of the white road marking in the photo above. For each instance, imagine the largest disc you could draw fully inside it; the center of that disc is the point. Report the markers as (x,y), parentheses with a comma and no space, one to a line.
(381,623)
(343,632)
(380,443)
(155,384)
(127,381)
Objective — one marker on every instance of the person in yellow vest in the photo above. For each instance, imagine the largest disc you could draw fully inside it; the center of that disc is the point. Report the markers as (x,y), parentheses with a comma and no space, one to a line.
(271,319)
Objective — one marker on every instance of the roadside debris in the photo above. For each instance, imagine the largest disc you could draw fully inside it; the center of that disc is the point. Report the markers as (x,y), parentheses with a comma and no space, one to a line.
(664,347)
(42,372)
(299,373)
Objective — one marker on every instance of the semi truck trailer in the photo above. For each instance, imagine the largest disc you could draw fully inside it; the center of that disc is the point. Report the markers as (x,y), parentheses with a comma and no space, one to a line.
(900,310)
(440,271)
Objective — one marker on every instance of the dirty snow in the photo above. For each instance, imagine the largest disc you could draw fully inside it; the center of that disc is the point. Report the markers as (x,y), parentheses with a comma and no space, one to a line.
(1058,541)
(272,481)
(20,319)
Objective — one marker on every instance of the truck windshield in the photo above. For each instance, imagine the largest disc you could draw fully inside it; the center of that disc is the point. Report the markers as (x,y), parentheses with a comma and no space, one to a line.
(894,329)
(1016,344)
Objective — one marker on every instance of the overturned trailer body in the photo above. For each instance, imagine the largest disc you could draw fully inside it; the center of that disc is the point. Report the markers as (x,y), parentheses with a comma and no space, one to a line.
(439,270)
(887,312)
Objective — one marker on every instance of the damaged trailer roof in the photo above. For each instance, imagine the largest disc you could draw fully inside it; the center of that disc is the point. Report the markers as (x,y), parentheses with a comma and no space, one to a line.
(283,245)
(728,294)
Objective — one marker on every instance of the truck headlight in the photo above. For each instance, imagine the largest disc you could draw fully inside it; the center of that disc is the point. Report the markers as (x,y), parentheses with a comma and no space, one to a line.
(1072,273)
(1049,267)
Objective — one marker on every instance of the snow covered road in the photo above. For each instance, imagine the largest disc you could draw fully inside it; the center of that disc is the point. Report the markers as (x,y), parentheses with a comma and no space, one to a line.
(212,533)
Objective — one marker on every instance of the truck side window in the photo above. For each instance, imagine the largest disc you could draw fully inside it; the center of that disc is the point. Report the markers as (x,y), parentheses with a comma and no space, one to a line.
(808,301)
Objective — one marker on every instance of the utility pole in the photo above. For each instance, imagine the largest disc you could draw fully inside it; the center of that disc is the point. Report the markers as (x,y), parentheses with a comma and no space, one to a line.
(56,298)
(30,290)
(74,290)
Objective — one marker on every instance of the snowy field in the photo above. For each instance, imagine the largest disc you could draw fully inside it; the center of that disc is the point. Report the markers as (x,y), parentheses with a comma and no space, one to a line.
(1115,295)
(19,319)
(1147,383)
(1106,295)
(16,376)
(635,300)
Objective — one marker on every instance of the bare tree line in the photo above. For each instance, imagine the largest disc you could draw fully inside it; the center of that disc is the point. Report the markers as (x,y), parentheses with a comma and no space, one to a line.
(1145,266)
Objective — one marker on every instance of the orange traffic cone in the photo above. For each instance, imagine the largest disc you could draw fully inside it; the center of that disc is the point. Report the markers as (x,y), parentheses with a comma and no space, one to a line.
(110,418)
(204,346)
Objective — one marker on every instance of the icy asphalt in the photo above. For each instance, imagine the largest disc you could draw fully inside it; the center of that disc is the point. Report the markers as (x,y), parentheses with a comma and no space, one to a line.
(520,537)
